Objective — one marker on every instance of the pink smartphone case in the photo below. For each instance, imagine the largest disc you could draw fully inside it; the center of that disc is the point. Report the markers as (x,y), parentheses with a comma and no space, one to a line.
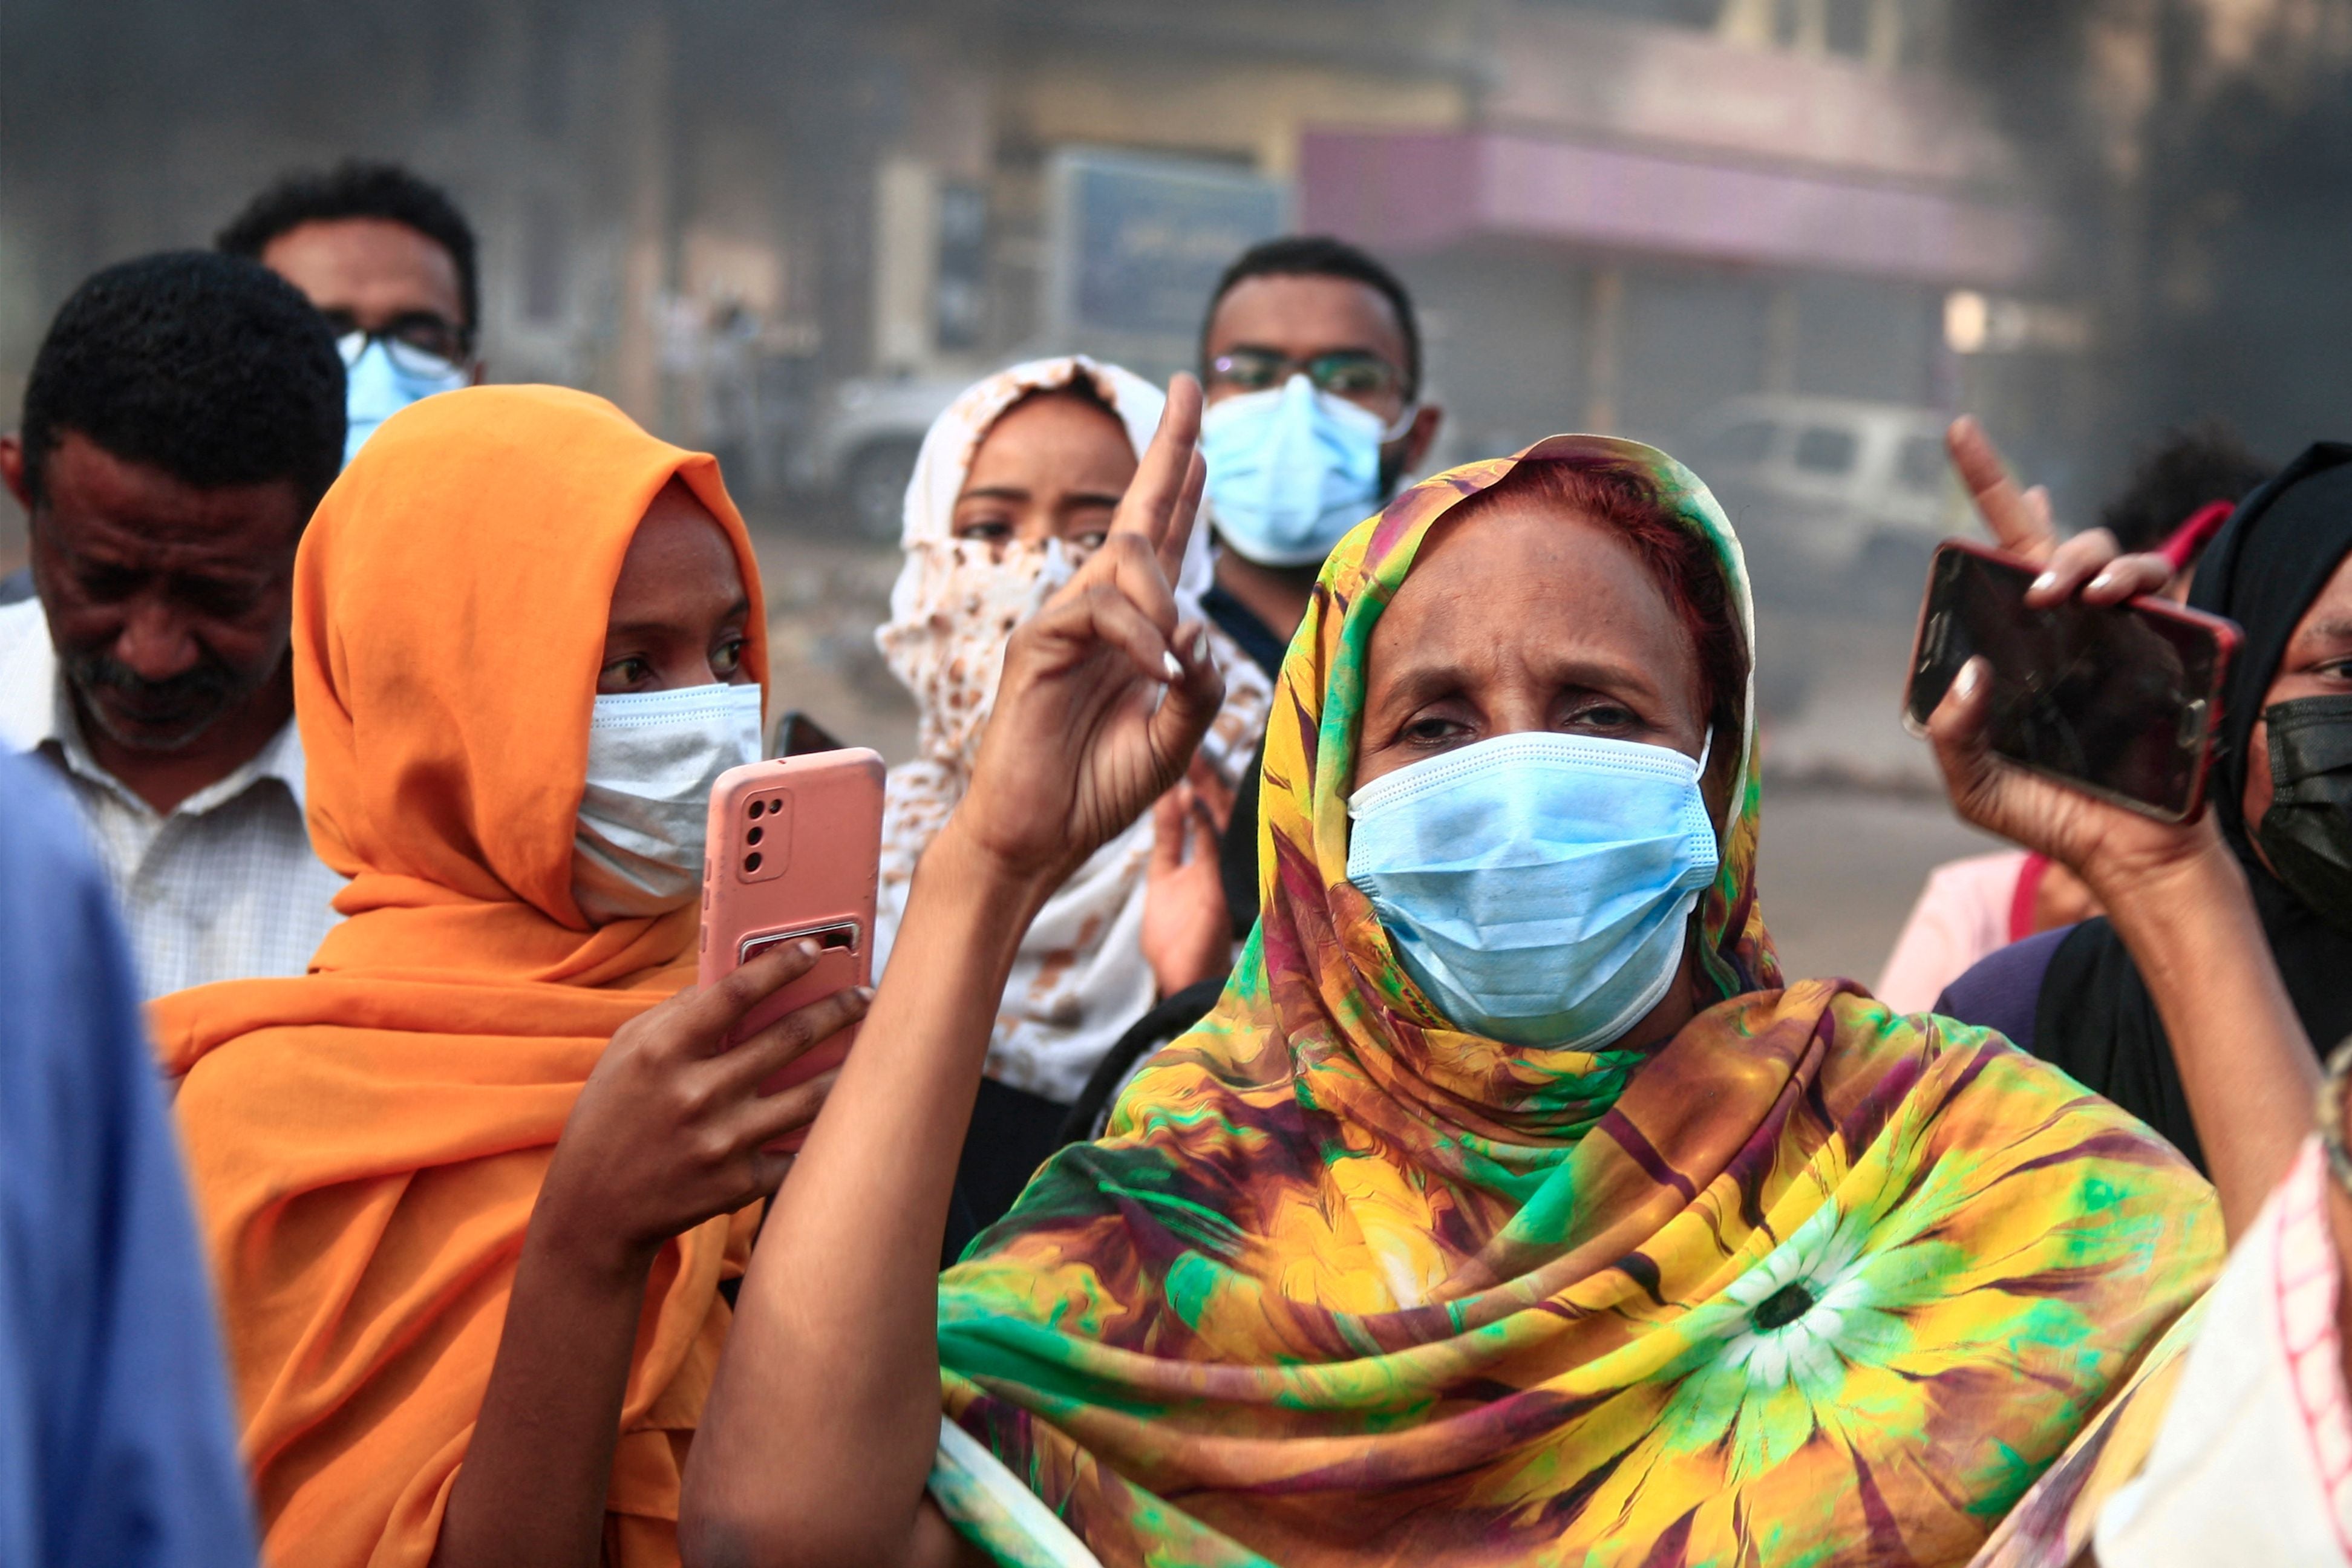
(793,850)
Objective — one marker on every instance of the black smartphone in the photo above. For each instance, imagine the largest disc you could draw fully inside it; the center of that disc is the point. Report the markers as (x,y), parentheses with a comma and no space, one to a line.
(798,735)
(2122,701)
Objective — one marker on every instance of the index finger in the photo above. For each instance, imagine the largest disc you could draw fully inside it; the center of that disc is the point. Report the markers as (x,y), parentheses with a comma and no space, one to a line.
(709,1013)
(1179,537)
(1154,501)
(2017,525)
(761,1055)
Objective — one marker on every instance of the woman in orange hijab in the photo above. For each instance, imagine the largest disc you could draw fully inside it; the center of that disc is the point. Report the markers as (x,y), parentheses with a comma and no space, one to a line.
(470,1185)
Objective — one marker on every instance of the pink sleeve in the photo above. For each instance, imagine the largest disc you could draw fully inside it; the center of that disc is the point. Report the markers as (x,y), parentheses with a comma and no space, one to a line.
(1962,915)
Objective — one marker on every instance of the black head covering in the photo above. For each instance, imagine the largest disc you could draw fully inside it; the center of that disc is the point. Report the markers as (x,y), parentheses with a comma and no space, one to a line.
(2096,1018)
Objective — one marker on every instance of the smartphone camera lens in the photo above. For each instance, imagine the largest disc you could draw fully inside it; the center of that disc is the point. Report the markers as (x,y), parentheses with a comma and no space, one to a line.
(751,861)
(758,806)
(774,806)
(754,835)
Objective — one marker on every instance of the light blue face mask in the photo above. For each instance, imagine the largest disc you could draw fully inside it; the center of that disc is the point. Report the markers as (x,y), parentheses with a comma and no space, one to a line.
(1292,469)
(376,386)
(652,757)
(1537,887)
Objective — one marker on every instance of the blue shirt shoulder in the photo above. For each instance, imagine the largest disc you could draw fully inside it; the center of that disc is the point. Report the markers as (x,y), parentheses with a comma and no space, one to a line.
(117,1441)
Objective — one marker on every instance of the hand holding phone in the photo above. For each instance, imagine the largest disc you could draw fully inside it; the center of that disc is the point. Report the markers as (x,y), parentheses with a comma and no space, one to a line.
(635,1163)
(2122,701)
(793,852)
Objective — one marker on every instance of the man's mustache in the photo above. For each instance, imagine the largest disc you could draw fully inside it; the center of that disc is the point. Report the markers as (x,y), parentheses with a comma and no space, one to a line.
(183,705)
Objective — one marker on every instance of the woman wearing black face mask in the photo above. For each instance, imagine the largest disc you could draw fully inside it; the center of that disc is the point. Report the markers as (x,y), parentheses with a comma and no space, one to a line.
(2281,790)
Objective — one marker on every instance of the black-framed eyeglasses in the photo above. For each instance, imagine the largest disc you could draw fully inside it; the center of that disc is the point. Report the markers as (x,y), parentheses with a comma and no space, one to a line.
(1353,373)
(420,344)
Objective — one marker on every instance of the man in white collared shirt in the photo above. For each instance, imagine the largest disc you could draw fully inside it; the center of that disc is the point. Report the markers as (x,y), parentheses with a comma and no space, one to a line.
(183,417)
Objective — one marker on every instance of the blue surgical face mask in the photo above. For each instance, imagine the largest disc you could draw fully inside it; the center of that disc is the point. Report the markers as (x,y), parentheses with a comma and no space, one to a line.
(376,387)
(1292,469)
(1537,887)
(652,759)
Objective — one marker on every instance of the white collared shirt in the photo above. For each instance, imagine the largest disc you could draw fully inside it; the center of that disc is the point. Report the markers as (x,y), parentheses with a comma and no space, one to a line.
(223,886)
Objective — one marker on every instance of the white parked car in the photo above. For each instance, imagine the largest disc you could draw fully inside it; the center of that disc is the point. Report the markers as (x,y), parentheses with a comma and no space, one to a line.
(1832,496)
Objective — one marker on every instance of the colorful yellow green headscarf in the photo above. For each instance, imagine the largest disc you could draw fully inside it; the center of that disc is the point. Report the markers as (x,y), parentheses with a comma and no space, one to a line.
(1808,1283)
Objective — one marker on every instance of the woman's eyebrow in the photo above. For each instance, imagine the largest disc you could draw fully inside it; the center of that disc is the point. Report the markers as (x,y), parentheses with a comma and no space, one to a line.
(1564,668)
(993,492)
(2332,632)
(661,625)
(1077,498)
(1600,671)
(1417,683)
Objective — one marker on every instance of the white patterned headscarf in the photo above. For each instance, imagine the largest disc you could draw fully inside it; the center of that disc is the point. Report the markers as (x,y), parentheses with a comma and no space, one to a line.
(1080,977)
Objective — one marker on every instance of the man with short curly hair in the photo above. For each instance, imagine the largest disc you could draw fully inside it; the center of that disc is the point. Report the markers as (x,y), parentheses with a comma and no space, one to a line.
(184,415)
(390,262)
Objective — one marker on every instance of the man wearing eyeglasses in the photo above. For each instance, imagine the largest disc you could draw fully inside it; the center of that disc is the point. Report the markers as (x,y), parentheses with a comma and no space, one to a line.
(389,260)
(1311,360)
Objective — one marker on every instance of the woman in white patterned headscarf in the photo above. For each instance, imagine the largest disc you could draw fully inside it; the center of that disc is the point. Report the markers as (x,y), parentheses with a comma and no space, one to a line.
(1017,482)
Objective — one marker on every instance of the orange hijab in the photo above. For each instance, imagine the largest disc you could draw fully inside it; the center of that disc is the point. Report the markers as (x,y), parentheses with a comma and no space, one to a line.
(366,1141)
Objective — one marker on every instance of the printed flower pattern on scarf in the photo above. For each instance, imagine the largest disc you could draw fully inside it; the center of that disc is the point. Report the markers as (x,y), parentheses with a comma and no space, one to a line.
(1805,1319)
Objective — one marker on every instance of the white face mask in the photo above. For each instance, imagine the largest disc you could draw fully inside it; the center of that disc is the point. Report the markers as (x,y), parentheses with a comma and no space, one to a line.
(652,757)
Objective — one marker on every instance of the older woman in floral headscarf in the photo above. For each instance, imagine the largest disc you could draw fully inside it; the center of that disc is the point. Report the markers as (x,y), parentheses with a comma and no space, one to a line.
(1509,1207)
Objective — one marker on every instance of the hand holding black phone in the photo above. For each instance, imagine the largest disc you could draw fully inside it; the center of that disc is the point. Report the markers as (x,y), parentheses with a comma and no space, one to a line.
(2122,701)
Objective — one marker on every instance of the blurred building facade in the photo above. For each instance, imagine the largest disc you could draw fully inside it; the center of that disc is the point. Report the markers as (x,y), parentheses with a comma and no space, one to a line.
(747,223)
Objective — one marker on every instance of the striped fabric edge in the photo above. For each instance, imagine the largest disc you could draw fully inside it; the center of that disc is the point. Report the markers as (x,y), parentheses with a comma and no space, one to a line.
(995,1511)
(2304,1287)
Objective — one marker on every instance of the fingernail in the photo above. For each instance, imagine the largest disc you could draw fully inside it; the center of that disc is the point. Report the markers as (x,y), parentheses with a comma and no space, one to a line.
(805,948)
(864,993)
(1201,647)
(2047,580)
(2103,579)
(1168,662)
(1971,676)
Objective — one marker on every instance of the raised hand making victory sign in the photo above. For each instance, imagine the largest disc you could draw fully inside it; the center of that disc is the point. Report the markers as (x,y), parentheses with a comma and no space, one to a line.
(1104,694)
(1103,698)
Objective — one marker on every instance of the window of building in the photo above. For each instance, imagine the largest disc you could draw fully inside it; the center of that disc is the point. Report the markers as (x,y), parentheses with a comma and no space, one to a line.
(959,294)
(1699,14)
(1845,27)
